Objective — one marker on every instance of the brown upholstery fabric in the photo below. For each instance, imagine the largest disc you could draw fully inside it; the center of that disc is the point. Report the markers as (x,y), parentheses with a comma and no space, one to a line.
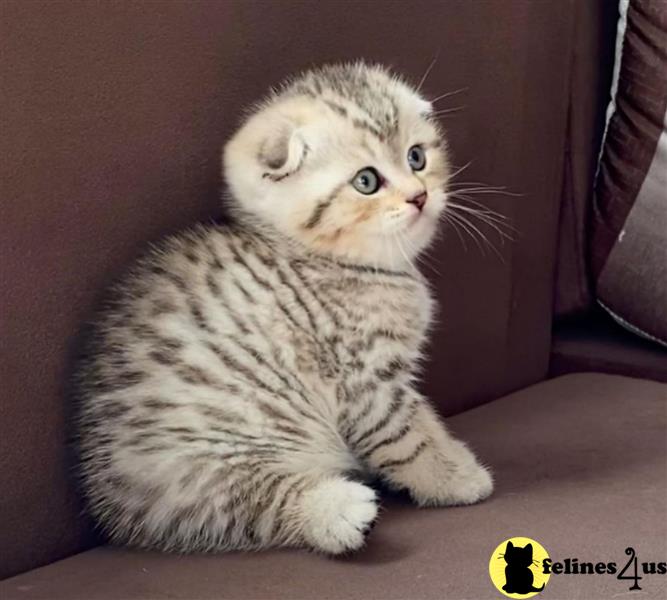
(590,80)
(576,469)
(629,246)
(600,344)
(112,117)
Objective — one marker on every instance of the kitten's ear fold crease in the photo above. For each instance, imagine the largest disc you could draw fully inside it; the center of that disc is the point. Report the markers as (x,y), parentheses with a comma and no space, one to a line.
(283,152)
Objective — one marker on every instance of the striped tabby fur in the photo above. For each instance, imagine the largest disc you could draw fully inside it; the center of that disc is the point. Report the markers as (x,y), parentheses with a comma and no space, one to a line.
(247,375)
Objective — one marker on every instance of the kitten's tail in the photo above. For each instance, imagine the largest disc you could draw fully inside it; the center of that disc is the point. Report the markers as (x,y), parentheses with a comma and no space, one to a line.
(534,589)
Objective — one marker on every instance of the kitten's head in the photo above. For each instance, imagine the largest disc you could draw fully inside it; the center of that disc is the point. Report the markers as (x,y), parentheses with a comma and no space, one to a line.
(346,159)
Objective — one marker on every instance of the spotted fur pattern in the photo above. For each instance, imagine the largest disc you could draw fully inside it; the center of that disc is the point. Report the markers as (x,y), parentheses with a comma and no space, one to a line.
(247,376)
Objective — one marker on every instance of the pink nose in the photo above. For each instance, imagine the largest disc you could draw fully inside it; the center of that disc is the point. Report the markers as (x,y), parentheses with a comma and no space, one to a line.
(419,200)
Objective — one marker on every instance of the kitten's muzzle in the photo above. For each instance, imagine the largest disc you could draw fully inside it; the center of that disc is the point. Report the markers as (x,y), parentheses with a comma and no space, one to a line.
(419,200)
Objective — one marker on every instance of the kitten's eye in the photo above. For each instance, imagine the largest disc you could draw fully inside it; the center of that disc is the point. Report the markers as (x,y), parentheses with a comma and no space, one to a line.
(416,158)
(367,181)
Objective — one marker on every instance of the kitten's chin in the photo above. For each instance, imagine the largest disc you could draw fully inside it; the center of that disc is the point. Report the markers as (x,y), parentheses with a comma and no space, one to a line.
(421,233)
(373,251)
(400,249)
(398,252)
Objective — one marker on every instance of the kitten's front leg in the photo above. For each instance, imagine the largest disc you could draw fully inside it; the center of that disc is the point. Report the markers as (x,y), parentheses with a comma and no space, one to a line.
(413,450)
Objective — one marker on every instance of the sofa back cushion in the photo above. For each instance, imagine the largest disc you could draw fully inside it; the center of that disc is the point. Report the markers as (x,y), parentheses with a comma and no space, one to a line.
(629,246)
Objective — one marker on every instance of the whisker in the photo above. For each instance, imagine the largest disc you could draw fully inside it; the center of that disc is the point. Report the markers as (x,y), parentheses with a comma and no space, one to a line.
(384,243)
(465,227)
(477,203)
(479,183)
(448,94)
(418,258)
(405,256)
(499,222)
(459,170)
(454,189)
(487,190)
(498,191)
(480,234)
(446,111)
(501,234)
(487,217)
(448,221)
(426,74)
(475,206)
(386,247)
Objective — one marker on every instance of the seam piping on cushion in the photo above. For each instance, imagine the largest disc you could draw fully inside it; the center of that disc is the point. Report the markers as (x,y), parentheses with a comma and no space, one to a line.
(611,107)
(630,327)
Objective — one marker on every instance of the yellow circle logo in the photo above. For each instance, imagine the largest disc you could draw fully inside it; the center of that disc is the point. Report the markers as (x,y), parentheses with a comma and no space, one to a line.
(516,567)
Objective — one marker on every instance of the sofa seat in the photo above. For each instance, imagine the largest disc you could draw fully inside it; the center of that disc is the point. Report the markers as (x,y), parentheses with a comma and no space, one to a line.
(580,464)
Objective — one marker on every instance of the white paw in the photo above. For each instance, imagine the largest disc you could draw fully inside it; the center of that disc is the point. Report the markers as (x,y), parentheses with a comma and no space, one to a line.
(338,515)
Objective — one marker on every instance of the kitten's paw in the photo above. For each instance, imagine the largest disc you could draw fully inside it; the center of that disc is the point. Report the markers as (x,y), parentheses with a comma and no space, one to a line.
(455,478)
(338,514)
(469,485)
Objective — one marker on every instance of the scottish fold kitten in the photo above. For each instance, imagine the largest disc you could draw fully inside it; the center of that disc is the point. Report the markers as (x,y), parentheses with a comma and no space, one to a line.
(244,373)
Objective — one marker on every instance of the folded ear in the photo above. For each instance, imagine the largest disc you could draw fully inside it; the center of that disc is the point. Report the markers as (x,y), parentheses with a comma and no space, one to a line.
(282,151)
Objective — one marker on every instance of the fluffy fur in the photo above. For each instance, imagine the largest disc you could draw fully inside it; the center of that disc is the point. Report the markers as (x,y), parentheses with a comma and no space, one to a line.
(247,376)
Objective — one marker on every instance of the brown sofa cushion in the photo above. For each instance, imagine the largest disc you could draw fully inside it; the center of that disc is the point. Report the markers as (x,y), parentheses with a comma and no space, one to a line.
(629,247)
(576,469)
(113,114)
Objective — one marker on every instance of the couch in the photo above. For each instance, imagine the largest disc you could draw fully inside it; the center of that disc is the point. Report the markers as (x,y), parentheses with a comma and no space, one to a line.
(111,123)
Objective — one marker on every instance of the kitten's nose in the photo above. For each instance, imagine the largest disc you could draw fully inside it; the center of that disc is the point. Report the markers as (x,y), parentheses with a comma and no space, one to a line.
(419,200)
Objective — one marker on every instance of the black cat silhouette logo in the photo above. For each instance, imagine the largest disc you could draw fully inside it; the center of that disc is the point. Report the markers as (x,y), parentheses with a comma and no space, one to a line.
(516,567)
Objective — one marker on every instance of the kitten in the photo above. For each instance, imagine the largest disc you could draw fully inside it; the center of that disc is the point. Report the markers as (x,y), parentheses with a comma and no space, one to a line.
(518,576)
(243,371)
